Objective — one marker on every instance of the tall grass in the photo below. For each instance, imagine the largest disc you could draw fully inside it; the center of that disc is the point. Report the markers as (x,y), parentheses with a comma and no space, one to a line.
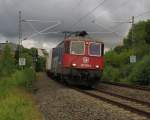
(15,102)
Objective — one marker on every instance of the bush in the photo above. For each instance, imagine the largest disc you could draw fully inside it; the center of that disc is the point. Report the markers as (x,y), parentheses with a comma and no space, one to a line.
(126,70)
(7,62)
(40,64)
(141,72)
(16,103)
(111,74)
(117,60)
(22,78)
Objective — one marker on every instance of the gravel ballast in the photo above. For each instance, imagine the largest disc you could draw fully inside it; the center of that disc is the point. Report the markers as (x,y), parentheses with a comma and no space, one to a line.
(61,103)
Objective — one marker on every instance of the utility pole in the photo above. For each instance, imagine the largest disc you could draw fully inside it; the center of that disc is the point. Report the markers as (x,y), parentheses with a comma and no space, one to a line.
(133,57)
(20,33)
(20,28)
(132,22)
(20,38)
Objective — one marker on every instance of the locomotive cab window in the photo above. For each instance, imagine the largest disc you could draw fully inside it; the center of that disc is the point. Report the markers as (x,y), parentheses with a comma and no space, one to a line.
(95,49)
(77,47)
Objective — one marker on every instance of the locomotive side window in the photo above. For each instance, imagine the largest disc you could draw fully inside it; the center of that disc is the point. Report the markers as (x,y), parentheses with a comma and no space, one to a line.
(77,47)
(95,49)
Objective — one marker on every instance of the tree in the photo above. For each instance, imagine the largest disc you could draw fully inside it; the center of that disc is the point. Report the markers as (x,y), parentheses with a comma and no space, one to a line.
(7,61)
(141,72)
(147,32)
(137,37)
(40,64)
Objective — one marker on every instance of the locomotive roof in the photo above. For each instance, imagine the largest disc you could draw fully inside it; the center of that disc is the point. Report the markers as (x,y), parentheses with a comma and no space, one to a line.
(81,39)
(78,38)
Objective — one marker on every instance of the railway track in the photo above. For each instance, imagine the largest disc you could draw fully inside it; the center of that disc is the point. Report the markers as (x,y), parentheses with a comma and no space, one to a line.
(137,87)
(135,106)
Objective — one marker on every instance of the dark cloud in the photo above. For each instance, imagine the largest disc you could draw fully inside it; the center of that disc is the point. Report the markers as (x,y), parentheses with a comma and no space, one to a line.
(69,12)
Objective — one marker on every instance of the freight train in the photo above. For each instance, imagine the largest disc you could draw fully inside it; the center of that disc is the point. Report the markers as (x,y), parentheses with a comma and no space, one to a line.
(77,60)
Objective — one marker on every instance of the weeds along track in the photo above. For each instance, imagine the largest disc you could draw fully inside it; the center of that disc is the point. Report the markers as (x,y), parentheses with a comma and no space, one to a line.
(134,106)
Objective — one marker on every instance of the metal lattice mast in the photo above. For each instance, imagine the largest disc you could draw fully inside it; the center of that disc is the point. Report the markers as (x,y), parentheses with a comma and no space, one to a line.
(20,33)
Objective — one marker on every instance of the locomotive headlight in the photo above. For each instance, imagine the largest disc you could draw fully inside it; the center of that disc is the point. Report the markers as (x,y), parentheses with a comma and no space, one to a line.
(74,64)
(97,66)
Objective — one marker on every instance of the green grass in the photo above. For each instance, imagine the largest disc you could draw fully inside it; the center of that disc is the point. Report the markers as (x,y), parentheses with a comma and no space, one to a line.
(16,103)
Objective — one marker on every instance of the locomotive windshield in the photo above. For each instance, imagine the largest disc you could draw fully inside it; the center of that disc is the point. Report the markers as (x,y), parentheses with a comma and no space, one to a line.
(77,47)
(95,49)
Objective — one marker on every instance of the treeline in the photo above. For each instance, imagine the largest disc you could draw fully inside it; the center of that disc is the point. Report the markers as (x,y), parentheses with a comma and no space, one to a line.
(117,61)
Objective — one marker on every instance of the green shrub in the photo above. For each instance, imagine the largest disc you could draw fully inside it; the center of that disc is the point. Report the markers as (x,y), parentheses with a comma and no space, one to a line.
(111,74)
(18,105)
(117,60)
(7,61)
(23,78)
(141,72)
(15,102)
(126,70)
(142,50)
(40,64)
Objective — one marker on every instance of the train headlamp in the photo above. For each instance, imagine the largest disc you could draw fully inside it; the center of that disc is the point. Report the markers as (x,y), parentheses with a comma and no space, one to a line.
(86,43)
(74,64)
(97,66)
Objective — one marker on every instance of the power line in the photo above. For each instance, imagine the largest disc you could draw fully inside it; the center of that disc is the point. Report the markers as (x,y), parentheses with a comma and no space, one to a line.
(124,3)
(108,29)
(86,15)
(43,30)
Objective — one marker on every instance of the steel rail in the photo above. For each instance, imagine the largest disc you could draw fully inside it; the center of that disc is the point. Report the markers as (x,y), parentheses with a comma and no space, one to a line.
(113,102)
(137,87)
(125,97)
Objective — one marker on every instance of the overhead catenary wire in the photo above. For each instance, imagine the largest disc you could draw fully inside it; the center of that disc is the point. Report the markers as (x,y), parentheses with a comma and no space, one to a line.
(30,24)
(99,25)
(43,30)
(125,2)
(108,29)
(86,15)
(121,22)
(38,32)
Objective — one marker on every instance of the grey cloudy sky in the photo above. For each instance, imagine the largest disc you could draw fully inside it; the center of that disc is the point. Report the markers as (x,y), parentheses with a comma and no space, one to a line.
(70,12)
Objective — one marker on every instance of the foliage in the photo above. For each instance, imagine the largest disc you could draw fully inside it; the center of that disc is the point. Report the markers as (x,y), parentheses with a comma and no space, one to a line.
(111,74)
(147,32)
(7,61)
(32,59)
(29,60)
(119,49)
(22,78)
(115,59)
(117,65)
(141,72)
(16,103)
(138,35)
(40,64)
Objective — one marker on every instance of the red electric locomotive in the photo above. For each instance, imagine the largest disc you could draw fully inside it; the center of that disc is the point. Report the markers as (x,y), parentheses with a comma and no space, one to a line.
(78,60)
